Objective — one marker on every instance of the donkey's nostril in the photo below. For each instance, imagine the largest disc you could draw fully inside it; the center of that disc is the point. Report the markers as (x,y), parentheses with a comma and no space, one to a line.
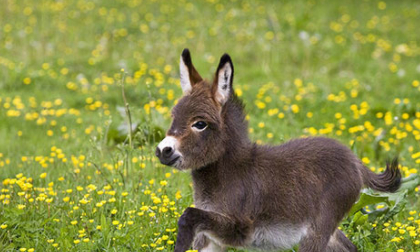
(167,152)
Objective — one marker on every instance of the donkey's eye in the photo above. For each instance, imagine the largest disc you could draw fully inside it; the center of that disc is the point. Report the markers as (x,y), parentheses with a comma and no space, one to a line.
(200,125)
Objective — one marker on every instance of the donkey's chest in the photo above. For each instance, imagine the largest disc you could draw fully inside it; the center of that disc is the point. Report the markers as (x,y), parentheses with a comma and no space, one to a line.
(273,237)
(277,236)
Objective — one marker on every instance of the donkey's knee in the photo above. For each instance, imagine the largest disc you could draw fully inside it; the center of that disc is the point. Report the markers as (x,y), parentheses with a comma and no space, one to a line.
(210,246)
(204,244)
(200,242)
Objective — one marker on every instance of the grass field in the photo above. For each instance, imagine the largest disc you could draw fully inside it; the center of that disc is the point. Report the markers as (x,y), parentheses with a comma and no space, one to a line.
(71,181)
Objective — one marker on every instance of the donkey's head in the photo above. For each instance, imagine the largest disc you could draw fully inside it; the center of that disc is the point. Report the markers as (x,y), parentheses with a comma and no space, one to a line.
(198,134)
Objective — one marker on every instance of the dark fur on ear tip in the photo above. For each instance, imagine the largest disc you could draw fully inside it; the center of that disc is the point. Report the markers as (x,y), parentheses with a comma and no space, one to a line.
(186,57)
(223,60)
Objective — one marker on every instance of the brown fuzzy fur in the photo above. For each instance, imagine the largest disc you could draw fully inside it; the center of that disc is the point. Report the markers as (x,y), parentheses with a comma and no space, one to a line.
(241,187)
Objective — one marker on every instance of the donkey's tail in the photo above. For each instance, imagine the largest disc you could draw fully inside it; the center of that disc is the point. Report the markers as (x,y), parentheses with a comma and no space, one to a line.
(388,181)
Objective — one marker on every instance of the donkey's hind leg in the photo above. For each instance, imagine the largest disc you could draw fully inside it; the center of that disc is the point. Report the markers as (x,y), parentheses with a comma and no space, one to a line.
(321,231)
(340,243)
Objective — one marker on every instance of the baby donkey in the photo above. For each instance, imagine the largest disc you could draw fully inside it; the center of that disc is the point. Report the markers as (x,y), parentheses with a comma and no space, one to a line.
(258,197)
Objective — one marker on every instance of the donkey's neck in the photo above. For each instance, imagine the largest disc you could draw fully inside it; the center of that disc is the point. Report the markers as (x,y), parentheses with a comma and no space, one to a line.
(237,155)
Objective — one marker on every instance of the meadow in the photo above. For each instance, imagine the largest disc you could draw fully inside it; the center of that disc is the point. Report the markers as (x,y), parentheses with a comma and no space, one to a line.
(73,178)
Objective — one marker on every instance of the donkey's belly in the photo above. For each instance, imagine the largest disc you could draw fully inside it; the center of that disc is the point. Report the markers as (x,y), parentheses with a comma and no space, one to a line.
(277,236)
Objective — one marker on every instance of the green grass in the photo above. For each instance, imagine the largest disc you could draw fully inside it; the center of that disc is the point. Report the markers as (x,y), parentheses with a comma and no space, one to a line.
(348,70)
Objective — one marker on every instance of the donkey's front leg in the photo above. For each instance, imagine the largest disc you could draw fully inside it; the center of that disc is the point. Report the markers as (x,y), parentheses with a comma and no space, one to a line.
(203,244)
(224,229)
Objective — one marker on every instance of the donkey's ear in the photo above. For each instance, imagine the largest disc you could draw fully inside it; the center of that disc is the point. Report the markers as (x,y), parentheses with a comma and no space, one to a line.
(223,82)
(189,76)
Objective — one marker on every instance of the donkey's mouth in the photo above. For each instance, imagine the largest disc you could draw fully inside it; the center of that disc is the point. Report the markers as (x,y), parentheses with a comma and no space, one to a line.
(173,161)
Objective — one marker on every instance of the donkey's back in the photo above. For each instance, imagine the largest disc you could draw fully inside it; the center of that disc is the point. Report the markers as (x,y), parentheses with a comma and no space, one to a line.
(307,170)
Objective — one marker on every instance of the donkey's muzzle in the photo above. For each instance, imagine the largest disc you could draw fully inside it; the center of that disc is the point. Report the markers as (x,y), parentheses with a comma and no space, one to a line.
(166,151)
(167,155)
